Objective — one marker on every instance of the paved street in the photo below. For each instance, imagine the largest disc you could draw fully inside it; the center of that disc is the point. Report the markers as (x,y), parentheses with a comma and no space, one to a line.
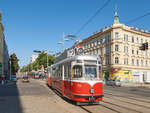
(122,100)
(33,97)
(36,97)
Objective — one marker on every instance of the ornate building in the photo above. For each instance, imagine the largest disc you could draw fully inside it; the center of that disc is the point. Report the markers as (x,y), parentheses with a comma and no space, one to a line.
(123,51)
(4,56)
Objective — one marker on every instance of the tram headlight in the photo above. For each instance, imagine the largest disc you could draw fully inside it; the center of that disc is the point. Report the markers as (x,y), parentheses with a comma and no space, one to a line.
(91,90)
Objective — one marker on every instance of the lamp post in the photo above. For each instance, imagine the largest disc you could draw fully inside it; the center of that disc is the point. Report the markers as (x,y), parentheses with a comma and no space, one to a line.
(10,69)
(63,40)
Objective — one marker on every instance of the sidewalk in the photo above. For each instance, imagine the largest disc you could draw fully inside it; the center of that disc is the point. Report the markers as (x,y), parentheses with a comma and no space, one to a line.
(8,83)
(140,85)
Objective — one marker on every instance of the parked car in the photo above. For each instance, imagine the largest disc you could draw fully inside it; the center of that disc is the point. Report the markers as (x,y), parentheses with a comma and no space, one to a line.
(13,78)
(25,79)
(113,83)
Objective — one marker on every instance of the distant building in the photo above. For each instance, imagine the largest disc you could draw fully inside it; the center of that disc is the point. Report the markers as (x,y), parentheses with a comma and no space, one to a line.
(121,49)
(4,56)
(33,58)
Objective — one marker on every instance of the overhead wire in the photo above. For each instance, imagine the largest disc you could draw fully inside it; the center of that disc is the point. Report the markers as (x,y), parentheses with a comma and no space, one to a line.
(91,18)
(137,18)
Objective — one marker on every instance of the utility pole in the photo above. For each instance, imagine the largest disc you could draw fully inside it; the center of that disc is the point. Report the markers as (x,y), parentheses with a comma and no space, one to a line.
(63,41)
(47,61)
(10,69)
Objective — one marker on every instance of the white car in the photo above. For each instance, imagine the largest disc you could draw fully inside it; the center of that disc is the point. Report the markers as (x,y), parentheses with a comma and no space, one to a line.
(113,83)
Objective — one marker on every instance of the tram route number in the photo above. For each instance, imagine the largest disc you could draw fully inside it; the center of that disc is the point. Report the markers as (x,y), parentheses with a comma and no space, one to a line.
(71,53)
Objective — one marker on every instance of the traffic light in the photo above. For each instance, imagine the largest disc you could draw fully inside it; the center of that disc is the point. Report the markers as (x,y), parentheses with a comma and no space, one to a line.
(142,47)
(146,45)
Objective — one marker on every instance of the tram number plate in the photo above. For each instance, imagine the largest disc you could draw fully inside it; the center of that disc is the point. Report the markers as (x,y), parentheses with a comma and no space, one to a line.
(91,99)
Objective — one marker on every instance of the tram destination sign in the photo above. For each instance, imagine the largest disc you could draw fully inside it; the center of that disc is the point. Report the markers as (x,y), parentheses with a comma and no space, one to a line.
(70,53)
(73,52)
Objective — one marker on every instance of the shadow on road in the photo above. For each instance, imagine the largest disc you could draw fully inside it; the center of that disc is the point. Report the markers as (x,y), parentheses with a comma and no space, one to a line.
(9,98)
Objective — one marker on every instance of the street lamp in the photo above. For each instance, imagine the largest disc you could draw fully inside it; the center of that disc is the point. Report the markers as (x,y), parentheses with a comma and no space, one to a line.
(10,68)
(63,40)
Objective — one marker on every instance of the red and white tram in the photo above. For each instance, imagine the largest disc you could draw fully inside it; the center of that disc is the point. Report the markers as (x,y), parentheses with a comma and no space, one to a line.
(77,78)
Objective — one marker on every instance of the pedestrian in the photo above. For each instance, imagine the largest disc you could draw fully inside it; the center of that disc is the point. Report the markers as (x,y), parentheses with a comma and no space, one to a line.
(3,80)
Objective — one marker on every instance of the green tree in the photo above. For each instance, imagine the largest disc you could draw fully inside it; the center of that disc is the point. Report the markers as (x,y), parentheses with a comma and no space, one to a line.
(37,64)
(42,60)
(14,63)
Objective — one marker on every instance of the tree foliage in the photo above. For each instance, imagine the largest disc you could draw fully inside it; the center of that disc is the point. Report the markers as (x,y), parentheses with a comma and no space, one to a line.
(37,64)
(14,63)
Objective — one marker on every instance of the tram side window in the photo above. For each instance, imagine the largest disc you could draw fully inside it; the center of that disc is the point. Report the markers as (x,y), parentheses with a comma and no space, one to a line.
(69,71)
(77,71)
(65,70)
(60,71)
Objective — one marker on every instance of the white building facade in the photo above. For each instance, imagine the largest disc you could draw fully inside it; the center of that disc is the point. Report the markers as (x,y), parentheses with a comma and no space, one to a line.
(33,58)
(119,47)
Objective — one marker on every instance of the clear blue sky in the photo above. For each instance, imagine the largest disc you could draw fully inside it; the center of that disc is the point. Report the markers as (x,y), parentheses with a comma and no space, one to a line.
(39,24)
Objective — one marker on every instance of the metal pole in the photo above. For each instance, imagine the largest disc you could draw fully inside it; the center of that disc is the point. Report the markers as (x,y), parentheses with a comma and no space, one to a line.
(10,69)
(47,60)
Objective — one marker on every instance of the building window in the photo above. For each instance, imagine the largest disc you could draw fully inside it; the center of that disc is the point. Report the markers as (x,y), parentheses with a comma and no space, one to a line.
(97,51)
(107,61)
(116,35)
(132,62)
(116,47)
(132,51)
(146,63)
(90,44)
(101,51)
(137,52)
(132,39)
(141,40)
(107,50)
(137,39)
(116,60)
(137,62)
(125,37)
(126,61)
(141,62)
(101,41)
(107,39)
(126,49)
(97,42)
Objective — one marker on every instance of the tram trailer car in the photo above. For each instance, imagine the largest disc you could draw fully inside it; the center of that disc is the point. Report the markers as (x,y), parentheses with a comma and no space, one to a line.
(78,78)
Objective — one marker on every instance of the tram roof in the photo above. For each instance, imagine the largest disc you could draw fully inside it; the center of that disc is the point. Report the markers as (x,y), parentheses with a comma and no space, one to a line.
(79,57)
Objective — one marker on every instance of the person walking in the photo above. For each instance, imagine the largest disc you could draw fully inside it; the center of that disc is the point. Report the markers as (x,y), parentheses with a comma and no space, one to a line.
(3,80)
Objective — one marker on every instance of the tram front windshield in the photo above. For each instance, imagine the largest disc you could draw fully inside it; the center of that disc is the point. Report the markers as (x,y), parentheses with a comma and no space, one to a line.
(90,72)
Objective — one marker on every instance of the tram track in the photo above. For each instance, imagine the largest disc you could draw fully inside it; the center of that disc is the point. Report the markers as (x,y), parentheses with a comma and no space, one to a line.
(127,108)
(122,105)
(127,97)
(110,106)
(132,103)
